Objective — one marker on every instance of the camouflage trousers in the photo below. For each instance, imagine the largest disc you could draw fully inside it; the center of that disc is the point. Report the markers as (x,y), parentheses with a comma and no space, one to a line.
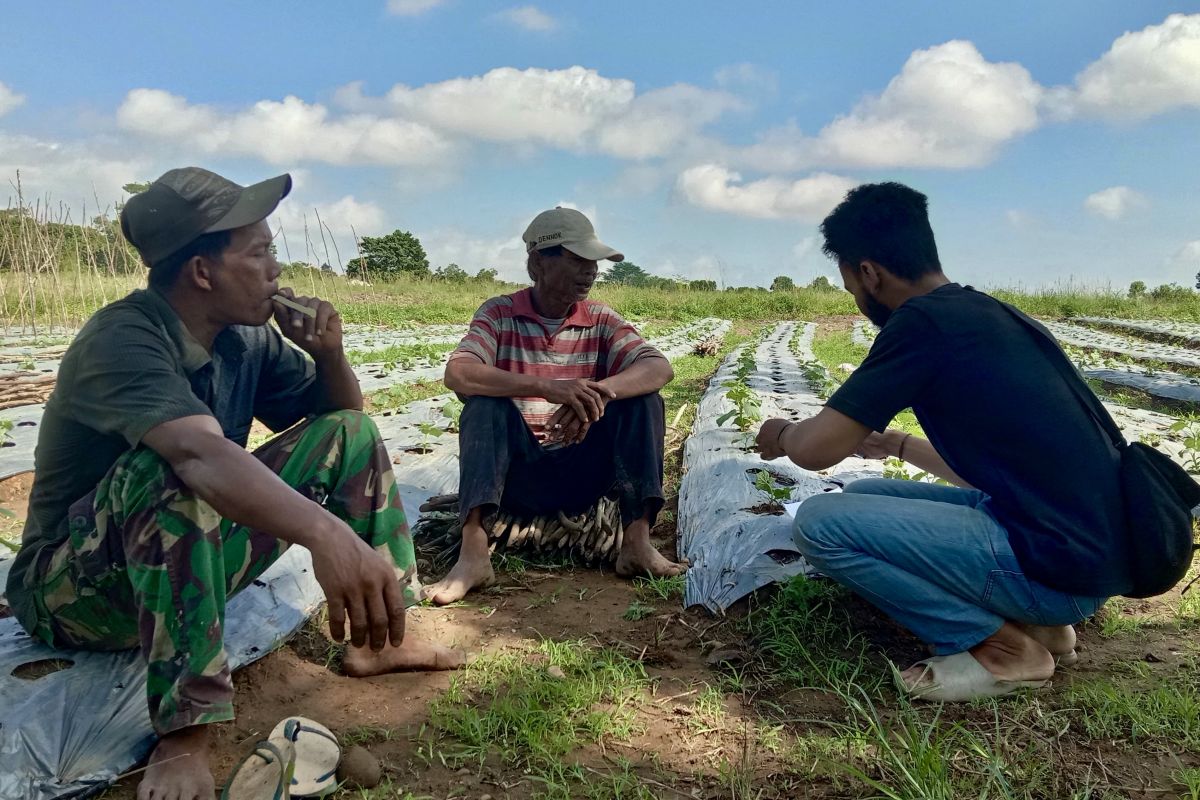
(148,564)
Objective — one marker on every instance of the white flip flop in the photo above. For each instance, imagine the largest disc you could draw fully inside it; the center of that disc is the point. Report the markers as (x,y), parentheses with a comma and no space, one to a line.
(266,772)
(317,756)
(958,678)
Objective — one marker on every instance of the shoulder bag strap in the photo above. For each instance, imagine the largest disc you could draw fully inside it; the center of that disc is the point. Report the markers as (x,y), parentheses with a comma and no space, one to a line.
(1070,374)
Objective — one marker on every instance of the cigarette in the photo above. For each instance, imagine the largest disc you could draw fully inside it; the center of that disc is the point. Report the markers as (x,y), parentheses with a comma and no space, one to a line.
(292,304)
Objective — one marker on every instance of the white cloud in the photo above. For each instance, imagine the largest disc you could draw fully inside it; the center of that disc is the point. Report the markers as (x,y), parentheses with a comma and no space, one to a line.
(658,122)
(412,8)
(1144,73)
(747,77)
(80,175)
(948,107)
(717,188)
(1114,202)
(1020,219)
(9,99)
(280,132)
(506,254)
(325,232)
(805,248)
(1187,256)
(530,18)
(560,108)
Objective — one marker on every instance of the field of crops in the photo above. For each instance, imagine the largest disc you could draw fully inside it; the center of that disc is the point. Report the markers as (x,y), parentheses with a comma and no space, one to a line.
(745,679)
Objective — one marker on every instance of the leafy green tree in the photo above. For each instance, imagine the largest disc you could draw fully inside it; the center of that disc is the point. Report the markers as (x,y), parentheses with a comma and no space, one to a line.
(1138,288)
(136,187)
(1171,291)
(486,276)
(782,283)
(822,284)
(451,273)
(398,253)
(625,272)
(702,286)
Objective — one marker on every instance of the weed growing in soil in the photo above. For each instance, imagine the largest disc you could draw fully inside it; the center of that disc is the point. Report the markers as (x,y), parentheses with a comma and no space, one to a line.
(637,611)
(512,706)
(1141,711)
(664,589)
(805,636)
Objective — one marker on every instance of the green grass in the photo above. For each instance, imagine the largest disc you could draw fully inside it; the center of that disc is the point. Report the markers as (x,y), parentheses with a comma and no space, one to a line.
(1141,710)
(834,348)
(638,611)
(660,589)
(804,636)
(509,706)
(401,355)
(398,396)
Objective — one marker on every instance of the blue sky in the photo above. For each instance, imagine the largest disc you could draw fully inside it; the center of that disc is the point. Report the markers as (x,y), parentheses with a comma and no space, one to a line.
(1056,141)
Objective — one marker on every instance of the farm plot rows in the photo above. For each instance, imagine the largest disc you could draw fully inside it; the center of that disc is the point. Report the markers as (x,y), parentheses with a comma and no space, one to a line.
(1148,377)
(424,450)
(731,526)
(1184,333)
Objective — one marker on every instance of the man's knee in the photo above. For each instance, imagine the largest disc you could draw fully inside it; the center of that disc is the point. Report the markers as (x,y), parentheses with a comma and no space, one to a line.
(352,421)
(816,530)
(869,486)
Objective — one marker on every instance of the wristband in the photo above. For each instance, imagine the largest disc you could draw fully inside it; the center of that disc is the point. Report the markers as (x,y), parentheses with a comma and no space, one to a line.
(900,449)
(779,436)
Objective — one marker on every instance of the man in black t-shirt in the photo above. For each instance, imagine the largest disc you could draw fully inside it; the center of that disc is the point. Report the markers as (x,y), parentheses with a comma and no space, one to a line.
(993,571)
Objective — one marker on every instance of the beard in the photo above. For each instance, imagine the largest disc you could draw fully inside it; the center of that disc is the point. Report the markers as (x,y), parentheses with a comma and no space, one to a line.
(876,311)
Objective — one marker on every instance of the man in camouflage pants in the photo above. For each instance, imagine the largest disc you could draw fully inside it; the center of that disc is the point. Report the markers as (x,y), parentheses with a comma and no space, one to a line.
(147,512)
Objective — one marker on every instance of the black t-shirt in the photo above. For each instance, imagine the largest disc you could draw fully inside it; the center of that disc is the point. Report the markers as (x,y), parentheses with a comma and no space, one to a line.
(1000,414)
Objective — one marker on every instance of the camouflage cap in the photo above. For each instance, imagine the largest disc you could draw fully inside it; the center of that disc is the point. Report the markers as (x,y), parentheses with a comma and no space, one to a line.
(184,204)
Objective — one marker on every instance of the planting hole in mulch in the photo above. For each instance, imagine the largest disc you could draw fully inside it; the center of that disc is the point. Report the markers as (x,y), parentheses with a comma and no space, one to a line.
(35,670)
(418,450)
(782,480)
(774,509)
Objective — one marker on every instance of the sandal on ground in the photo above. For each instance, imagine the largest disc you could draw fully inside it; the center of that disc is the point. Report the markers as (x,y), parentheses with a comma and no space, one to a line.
(264,774)
(958,678)
(317,756)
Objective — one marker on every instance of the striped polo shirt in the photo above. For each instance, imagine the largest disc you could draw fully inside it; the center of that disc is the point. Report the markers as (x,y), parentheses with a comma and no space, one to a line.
(593,342)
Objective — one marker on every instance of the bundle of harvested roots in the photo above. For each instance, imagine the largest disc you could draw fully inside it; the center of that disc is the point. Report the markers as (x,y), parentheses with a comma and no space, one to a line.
(707,347)
(593,537)
(24,389)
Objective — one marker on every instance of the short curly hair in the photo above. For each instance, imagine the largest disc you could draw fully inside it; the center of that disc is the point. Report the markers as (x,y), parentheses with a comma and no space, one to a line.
(887,223)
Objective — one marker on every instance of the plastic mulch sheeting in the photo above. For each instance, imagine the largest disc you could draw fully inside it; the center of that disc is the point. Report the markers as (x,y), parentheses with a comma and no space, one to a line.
(1080,336)
(1167,385)
(1185,332)
(734,550)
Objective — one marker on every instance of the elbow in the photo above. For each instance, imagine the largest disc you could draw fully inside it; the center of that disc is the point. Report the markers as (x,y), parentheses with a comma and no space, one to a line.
(453,380)
(668,372)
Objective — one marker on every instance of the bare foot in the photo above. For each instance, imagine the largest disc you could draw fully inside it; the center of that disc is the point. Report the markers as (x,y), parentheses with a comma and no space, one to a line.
(1009,654)
(178,768)
(413,655)
(639,558)
(468,573)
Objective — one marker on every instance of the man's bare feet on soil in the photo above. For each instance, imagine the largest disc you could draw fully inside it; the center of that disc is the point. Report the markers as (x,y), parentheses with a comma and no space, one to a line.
(179,768)
(639,558)
(413,655)
(473,570)
(1009,654)
(469,573)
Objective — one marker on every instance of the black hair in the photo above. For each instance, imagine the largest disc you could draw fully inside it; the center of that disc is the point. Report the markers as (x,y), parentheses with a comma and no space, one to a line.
(887,223)
(210,245)
(554,251)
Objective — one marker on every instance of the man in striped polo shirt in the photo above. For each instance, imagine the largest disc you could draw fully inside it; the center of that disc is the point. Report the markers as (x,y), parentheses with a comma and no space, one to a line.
(562,406)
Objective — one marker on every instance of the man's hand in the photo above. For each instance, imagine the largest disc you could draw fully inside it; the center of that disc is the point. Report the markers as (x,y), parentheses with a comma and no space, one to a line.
(880,445)
(319,335)
(768,442)
(360,582)
(566,427)
(586,398)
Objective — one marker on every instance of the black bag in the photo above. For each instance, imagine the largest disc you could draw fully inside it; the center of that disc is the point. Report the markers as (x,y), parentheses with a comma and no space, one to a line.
(1159,494)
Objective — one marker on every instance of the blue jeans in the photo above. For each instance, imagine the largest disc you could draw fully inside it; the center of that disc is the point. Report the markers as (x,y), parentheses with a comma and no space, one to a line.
(931,558)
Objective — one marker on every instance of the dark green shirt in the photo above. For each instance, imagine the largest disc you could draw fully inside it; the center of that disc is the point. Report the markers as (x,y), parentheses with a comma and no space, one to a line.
(132,367)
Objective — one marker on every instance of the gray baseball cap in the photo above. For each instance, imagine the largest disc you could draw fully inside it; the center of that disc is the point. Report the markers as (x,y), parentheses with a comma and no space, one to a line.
(184,204)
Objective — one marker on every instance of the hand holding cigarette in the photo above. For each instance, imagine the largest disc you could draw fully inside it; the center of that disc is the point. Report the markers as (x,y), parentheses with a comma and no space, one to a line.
(313,324)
